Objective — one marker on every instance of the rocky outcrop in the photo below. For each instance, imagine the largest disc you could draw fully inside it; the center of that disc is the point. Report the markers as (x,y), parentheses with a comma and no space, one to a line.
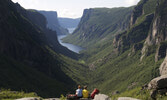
(158,31)
(30,98)
(69,22)
(163,67)
(137,12)
(134,36)
(127,98)
(101,97)
(158,85)
(53,23)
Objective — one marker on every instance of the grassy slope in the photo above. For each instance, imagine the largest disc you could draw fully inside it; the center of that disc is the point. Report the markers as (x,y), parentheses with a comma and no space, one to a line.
(99,25)
(12,95)
(26,60)
(118,72)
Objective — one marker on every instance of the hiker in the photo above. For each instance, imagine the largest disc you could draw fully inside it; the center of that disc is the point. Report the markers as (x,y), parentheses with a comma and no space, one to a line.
(79,92)
(85,92)
(95,91)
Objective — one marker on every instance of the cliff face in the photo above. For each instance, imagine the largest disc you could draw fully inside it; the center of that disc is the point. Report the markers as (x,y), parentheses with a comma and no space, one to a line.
(40,21)
(69,22)
(137,12)
(158,31)
(157,35)
(141,20)
(99,25)
(53,23)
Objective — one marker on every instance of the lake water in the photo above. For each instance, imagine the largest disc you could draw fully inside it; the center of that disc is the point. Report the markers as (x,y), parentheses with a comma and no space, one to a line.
(71,47)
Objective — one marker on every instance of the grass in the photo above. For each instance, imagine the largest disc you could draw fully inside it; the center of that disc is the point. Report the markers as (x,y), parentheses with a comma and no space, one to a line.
(134,93)
(139,94)
(11,95)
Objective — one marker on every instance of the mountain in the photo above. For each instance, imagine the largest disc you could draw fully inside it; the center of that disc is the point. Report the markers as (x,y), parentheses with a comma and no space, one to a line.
(69,22)
(28,61)
(39,20)
(129,58)
(53,23)
(118,65)
(99,25)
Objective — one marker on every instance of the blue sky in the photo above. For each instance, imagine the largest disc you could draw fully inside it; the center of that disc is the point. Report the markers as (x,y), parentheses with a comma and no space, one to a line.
(73,8)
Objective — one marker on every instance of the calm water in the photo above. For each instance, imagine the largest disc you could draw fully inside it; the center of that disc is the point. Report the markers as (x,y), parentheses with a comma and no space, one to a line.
(71,47)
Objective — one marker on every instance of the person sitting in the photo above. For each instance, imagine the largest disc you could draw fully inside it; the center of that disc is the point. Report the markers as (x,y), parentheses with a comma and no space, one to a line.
(85,92)
(79,92)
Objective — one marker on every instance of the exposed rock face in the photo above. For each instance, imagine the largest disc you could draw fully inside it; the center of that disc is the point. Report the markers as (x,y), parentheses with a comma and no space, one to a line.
(138,11)
(69,22)
(158,83)
(31,98)
(163,67)
(127,98)
(158,31)
(101,97)
(135,35)
(53,23)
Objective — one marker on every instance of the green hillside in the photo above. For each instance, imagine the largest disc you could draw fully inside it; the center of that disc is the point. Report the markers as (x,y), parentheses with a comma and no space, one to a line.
(27,60)
(99,25)
(124,50)
(116,64)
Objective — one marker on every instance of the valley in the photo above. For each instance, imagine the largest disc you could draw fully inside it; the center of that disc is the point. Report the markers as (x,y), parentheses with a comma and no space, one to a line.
(121,51)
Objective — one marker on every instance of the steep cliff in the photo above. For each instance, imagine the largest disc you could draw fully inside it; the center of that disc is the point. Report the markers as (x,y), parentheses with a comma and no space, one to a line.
(99,25)
(28,62)
(53,23)
(141,20)
(69,22)
(158,32)
(40,21)
(116,64)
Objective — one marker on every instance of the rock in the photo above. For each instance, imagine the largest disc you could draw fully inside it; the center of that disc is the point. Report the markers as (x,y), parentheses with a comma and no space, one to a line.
(101,97)
(158,83)
(85,99)
(30,98)
(145,86)
(52,99)
(115,93)
(162,91)
(163,67)
(153,94)
(127,98)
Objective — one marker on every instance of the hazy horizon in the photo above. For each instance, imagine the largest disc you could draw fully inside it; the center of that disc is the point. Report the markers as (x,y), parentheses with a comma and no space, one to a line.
(73,8)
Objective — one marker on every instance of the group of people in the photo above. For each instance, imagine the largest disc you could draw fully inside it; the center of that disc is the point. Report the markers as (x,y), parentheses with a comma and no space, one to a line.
(84,93)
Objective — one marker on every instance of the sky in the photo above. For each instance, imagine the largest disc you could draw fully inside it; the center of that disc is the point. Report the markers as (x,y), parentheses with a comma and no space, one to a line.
(73,8)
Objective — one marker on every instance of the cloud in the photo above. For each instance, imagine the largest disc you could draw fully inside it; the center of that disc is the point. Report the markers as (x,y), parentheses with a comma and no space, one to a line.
(131,2)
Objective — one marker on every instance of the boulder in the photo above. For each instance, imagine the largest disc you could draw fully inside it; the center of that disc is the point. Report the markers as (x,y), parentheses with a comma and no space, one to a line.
(158,83)
(153,94)
(30,98)
(127,98)
(52,99)
(101,97)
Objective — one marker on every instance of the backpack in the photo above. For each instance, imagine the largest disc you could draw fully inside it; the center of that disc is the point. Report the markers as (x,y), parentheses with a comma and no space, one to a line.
(95,91)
